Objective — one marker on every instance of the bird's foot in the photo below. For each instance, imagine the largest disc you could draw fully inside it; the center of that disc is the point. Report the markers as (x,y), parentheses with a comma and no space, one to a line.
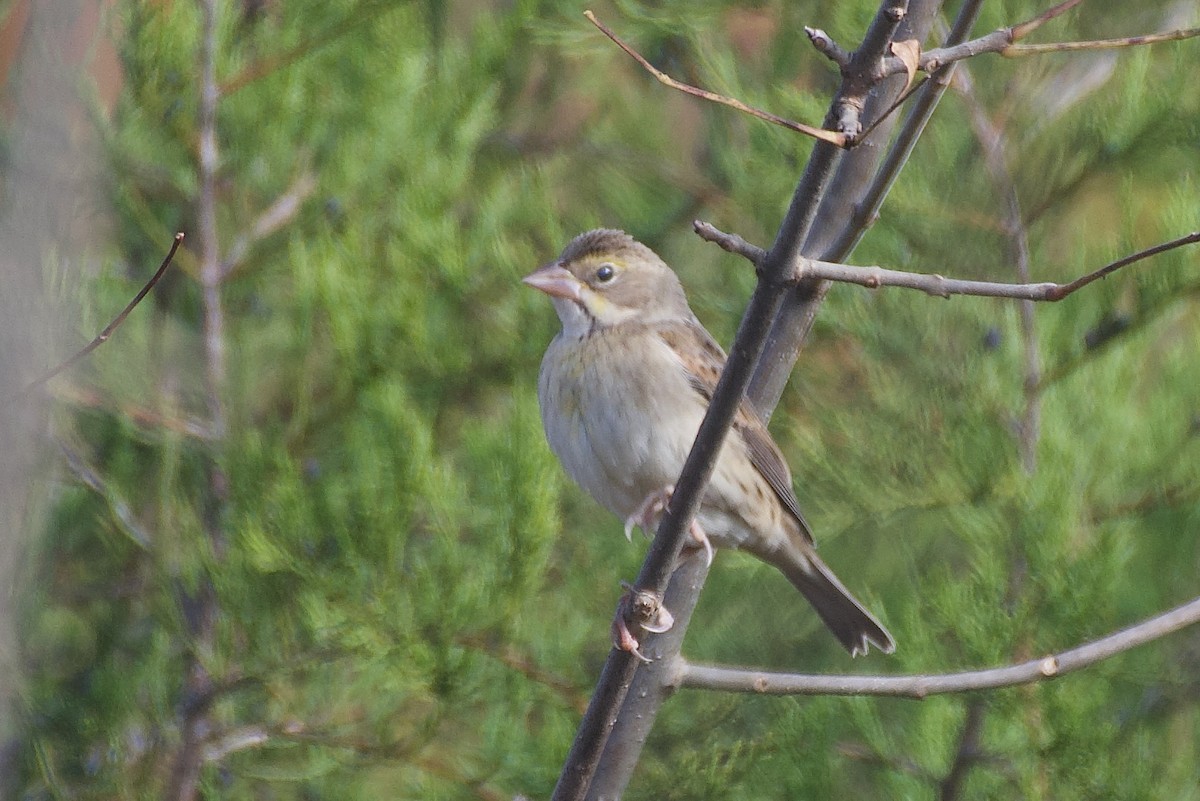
(640,609)
(702,541)
(648,514)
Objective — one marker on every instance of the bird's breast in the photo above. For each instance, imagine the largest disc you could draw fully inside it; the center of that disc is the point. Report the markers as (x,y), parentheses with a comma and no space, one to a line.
(619,413)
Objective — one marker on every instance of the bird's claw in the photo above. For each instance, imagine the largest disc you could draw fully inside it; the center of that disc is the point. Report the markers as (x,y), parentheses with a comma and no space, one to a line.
(623,639)
(702,541)
(651,510)
(644,610)
(647,515)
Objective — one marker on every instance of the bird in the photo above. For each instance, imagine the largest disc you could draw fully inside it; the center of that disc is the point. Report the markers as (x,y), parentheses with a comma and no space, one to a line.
(622,390)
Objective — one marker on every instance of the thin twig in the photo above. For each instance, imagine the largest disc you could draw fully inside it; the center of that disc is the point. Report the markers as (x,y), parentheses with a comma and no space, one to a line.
(507,655)
(1103,272)
(274,217)
(120,510)
(730,242)
(923,685)
(364,13)
(103,336)
(1017,50)
(967,753)
(1023,29)
(868,755)
(1005,42)
(995,42)
(826,46)
(86,398)
(992,140)
(929,94)
(817,133)
(194,722)
(1146,316)
(908,92)
(931,284)
(998,41)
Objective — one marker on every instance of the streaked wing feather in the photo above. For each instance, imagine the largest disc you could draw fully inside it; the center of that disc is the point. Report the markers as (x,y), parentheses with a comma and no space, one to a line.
(766,458)
(705,360)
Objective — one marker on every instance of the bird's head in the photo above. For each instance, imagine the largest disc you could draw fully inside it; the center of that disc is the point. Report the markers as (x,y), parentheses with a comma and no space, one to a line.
(605,278)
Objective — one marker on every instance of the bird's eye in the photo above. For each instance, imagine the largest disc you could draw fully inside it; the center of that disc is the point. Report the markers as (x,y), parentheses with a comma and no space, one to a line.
(605,273)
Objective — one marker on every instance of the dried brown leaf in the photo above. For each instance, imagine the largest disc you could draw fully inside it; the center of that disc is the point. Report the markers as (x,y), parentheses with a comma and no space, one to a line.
(909,52)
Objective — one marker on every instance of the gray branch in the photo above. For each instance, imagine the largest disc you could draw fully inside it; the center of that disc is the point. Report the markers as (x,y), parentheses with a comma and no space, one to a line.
(617,713)
(922,686)
(930,283)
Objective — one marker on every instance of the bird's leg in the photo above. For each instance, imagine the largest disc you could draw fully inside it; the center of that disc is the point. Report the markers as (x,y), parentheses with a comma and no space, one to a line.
(648,514)
(697,532)
(638,607)
(642,609)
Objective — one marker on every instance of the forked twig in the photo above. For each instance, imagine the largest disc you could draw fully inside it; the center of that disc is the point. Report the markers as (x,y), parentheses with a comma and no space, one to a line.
(103,336)
(1004,41)
(817,133)
(931,284)
(1023,29)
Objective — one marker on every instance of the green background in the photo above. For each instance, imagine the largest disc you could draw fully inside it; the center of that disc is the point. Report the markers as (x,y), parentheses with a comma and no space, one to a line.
(408,598)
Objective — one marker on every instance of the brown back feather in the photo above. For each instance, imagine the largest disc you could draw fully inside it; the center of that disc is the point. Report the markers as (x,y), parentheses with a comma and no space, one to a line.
(709,361)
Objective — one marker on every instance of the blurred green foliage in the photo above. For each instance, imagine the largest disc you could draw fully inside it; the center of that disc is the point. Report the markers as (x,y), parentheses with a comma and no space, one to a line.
(411,602)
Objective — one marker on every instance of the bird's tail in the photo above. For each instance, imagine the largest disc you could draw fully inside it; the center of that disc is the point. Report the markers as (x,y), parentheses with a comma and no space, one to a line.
(852,624)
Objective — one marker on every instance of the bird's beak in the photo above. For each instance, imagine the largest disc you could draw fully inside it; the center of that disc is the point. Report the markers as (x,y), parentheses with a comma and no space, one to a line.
(556,281)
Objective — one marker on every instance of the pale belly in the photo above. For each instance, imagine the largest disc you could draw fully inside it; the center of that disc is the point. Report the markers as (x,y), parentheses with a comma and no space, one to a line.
(623,427)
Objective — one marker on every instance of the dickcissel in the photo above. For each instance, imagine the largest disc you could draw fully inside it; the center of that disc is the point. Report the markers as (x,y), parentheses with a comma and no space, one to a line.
(623,388)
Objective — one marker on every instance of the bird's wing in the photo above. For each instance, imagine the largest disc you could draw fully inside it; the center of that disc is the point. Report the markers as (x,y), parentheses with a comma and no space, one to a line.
(704,360)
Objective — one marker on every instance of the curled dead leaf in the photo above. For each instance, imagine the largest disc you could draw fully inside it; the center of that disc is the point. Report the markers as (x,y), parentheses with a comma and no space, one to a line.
(909,52)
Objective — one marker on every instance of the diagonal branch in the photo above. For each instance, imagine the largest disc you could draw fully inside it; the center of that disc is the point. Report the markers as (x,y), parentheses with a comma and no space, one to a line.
(103,336)
(924,685)
(1023,29)
(1103,272)
(276,216)
(838,210)
(611,734)
(141,416)
(808,130)
(508,655)
(120,509)
(366,12)
(928,93)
